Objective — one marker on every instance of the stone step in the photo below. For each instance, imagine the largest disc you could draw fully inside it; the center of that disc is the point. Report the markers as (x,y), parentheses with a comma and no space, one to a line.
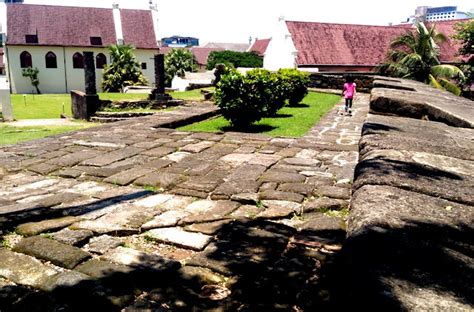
(107,119)
(122,114)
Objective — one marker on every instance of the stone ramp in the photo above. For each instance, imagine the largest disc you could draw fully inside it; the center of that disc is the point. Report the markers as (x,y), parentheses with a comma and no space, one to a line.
(135,216)
(410,226)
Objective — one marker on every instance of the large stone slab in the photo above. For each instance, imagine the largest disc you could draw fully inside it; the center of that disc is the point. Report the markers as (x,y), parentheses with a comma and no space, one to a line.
(418,171)
(58,253)
(424,102)
(139,259)
(34,228)
(23,269)
(384,132)
(411,250)
(71,237)
(177,236)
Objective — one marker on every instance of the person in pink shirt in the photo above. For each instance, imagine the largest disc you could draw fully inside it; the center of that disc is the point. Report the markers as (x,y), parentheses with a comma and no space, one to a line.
(349,92)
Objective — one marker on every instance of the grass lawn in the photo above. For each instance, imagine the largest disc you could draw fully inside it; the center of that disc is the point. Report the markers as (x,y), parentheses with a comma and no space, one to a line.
(289,122)
(13,135)
(48,106)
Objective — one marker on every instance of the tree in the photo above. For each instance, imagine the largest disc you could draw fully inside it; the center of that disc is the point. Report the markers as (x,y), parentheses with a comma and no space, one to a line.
(177,62)
(32,73)
(414,55)
(234,59)
(465,35)
(123,70)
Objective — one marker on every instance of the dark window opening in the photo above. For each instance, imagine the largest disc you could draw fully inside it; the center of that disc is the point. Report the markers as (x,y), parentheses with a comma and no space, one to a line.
(100,60)
(25,60)
(31,38)
(77,60)
(97,41)
(51,61)
(143,65)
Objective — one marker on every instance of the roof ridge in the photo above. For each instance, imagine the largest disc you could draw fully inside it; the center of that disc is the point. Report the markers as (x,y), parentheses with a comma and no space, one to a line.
(345,24)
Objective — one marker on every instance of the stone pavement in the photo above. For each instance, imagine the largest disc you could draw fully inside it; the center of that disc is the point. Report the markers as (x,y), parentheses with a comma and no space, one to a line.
(136,215)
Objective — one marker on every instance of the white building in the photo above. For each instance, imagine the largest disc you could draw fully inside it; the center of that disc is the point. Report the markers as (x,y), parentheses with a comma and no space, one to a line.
(281,51)
(53,39)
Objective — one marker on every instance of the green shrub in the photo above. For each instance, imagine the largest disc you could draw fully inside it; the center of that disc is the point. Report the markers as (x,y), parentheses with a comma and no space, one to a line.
(266,90)
(177,63)
(295,84)
(234,59)
(244,100)
(233,98)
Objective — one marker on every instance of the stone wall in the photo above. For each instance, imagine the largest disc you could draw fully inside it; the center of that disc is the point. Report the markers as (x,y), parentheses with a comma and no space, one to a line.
(411,222)
(336,80)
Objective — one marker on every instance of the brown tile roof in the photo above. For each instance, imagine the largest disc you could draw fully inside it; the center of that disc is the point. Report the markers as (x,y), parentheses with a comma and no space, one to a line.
(238,47)
(73,26)
(201,54)
(341,44)
(137,28)
(450,48)
(260,46)
(59,25)
(347,44)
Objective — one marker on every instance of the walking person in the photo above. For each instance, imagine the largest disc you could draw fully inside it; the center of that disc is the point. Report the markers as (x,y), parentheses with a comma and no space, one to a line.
(349,92)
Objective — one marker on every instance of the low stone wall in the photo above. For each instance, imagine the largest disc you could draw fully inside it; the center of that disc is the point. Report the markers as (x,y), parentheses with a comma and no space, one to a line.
(411,223)
(133,104)
(336,81)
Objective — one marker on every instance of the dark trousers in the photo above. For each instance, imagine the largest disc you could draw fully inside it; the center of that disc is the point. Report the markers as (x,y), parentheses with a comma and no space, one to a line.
(348,104)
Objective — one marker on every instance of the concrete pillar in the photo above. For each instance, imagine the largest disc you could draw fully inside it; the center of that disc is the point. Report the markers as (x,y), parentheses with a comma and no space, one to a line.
(89,72)
(5,101)
(158,92)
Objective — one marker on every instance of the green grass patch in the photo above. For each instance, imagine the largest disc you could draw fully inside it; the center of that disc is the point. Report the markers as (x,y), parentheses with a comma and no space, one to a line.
(13,135)
(50,106)
(289,122)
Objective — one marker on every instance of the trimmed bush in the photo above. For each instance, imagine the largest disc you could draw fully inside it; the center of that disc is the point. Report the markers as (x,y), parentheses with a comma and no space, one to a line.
(295,84)
(232,97)
(244,100)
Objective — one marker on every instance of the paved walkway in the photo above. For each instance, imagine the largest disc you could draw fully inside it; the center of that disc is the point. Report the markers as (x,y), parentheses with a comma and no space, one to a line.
(136,215)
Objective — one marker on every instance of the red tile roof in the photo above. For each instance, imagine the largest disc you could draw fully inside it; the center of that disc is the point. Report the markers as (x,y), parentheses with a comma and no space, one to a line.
(137,28)
(260,46)
(73,26)
(59,25)
(346,44)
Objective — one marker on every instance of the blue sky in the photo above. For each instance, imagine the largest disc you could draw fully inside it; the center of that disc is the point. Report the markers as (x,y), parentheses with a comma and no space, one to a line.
(236,21)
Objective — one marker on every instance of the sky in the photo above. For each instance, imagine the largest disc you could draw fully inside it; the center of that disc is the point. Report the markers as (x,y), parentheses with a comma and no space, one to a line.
(237,20)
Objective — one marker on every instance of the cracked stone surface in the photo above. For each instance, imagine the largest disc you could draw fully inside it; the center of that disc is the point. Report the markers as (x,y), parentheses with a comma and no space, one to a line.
(118,209)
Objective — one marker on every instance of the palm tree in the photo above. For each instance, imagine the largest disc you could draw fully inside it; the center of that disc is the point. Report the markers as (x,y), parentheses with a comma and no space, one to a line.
(177,62)
(123,70)
(414,55)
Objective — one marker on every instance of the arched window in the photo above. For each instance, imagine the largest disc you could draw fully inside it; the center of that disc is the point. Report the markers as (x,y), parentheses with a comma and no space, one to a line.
(51,61)
(100,60)
(77,60)
(25,60)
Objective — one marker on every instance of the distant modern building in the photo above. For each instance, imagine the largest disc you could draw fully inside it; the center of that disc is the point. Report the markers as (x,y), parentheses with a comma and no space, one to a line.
(327,47)
(12,1)
(53,39)
(435,14)
(179,42)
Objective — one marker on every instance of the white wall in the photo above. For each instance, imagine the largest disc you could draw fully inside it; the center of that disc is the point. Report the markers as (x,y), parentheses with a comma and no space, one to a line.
(62,79)
(281,51)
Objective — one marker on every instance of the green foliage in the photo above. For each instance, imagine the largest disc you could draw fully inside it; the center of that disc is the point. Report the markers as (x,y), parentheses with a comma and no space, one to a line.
(244,100)
(123,70)
(177,62)
(465,35)
(234,59)
(32,73)
(415,56)
(295,84)
(232,97)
